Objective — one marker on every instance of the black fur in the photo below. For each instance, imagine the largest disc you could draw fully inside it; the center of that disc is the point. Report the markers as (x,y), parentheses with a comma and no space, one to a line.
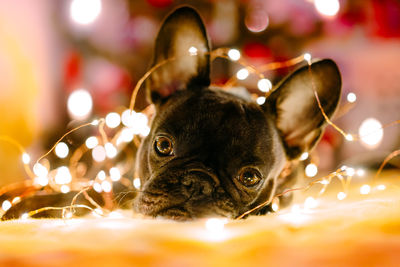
(216,135)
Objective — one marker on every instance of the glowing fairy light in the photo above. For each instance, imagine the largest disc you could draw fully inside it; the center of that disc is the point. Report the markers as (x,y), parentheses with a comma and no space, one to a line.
(61,150)
(6,205)
(234,54)
(40,170)
(101,175)
(264,85)
(193,51)
(111,150)
(304,156)
(311,170)
(127,118)
(26,158)
(64,189)
(97,187)
(215,225)
(95,122)
(85,11)
(275,207)
(381,187)
(242,74)
(113,120)
(136,183)
(16,200)
(365,189)
(351,97)
(349,137)
(145,131)
(68,215)
(63,175)
(115,174)
(261,100)
(307,57)
(341,195)
(98,213)
(99,153)
(371,133)
(42,180)
(350,171)
(106,186)
(80,104)
(24,216)
(324,182)
(360,172)
(327,7)
(91,142)
(126,135)
(310,203)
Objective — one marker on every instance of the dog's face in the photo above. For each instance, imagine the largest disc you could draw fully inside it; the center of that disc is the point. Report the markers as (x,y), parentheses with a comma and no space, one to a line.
(210,153)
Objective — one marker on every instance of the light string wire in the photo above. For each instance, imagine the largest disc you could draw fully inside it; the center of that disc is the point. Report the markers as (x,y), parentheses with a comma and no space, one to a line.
(218,53)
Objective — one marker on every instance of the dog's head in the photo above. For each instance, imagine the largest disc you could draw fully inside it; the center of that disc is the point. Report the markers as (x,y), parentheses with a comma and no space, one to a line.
(210,153)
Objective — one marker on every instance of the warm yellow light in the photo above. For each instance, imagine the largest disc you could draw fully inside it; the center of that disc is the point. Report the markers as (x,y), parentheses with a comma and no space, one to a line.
(6,205)
(311,170)
(136,183)
(381,187)
(26,158)
(234,54)
(61,150)
(371,133)
(63,175)
(115,174)
(307,57)
(261,100)
(80,104)
(304,156)
(350,171)
(349,137)
(111,150)
(327,7)
(264,85)
(106,186)
(42,180)
(113,120)
(24,216)
(215,225)
(242,74)
(85,11)
(91,142)
(101,175)
(365,189)
(351,97)
(341,195)
(65,189)
(193,51)
(40,170)
(97,187)
(99,153)
(310,203)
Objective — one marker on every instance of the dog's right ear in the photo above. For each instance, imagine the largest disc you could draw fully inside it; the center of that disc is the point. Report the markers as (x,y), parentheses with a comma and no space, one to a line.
(183,50)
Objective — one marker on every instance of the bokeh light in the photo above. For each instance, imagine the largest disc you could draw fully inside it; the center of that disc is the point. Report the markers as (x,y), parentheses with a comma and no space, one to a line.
(85,11)
(371,133)
(80,104)
(327,7)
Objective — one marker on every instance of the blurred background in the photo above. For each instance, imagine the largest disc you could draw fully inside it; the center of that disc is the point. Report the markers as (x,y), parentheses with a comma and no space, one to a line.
(63,63)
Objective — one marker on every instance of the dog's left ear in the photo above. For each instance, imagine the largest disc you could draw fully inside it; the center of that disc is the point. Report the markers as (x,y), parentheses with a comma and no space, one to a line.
(295,108)
(183,41)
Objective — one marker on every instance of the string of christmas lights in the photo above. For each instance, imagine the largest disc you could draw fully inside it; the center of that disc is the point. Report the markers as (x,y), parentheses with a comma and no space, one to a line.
(135,124)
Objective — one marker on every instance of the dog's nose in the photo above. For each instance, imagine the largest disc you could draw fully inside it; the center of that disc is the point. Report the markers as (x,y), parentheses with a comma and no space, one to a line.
(198,183)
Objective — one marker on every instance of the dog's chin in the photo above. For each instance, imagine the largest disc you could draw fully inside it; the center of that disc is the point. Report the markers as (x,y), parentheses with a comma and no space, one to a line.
(175,213)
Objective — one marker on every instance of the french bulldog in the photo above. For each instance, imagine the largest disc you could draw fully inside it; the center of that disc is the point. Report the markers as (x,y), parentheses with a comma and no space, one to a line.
(212,153)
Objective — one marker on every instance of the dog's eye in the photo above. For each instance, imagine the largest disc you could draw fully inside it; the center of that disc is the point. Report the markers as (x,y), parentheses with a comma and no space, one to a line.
(163,146)
(249,177)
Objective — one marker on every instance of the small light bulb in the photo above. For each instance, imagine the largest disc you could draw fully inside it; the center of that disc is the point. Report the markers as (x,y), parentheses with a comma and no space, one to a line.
(64,189)
(365,189)
(242,74)
(101,175)
(95,122)
(97,187)
(111,150)
(106,186)
(371,133)
(99,153)
(91,142)
(113,120)
(307,57)
(360,172)
(341,195)
(68,215)
(350,172)
(349,137)
(115,174)
(234,54)
(351,97)
(261,100)
(6,205)
(136,183)
(80,104)
(40,170)
(24,216)
(381,187)
(215,225)
(193,51)
(310,203)
(26,158)
(61,150)
(311,170)
(264,85)
(304,156)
